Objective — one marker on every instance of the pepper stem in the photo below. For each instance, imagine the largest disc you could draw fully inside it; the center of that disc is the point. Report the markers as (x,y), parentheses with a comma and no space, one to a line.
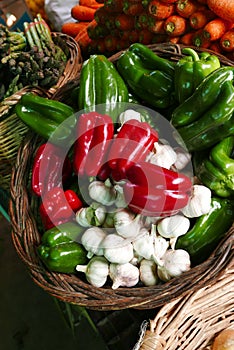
(192,53)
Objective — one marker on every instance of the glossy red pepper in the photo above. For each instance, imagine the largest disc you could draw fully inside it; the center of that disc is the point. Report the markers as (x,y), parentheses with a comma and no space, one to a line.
(154,176)
(51,168)
(94,133)
(155,191)
(154,201)
(59,206)
(132,143)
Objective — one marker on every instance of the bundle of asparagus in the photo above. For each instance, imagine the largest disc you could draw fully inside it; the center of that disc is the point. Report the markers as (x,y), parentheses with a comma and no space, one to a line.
(29,58)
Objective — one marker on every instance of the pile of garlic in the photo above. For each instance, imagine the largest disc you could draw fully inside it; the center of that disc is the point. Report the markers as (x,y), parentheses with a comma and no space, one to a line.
(128,249)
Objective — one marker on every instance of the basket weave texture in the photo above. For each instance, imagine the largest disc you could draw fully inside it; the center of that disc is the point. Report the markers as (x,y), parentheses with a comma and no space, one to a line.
(12,129)
(192,322)
(71,288)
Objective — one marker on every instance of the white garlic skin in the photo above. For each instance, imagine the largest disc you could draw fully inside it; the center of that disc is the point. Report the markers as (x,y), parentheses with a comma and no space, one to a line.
(101,193)
(199,202)
(174,263)
(127,224)
(96,271)
(148,272)
(143,245)
(123,275)
(117,249)
(173,226)
(91,240)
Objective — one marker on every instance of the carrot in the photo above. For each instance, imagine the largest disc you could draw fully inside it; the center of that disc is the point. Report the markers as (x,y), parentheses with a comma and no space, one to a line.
(124,22)
(175,25)
(157,26)
(199,40)
(96,31)
(215,46)
(111,43)
(73,28)
(186,8)
(144,20)
(132,8)
(83,39)
(222,8)
(187,38)
(216,28)
(200,18)
(90,3)
(82,13)
(169,1)
(174,39)
(227,41)
(131,35)
(114,5)
(145,36)
(159,9)
(101,15)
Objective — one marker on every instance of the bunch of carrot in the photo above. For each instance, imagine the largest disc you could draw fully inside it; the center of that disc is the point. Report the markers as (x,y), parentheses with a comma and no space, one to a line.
(115,24)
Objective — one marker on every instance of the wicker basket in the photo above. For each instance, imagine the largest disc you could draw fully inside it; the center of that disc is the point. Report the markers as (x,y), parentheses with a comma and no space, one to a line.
(192,322)
(12,130)
(70,288)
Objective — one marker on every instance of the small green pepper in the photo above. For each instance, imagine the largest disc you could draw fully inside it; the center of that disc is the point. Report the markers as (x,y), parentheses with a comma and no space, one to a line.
(66,232)
(152,86)
(46,117)
(215,168)
(208,230)
(191,70)
(63,257)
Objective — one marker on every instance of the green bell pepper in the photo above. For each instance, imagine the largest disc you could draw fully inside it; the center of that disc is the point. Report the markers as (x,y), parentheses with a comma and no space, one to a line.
(46,117)
(208,230)
(215,168)
(191,70)
(60,249)
(154,86)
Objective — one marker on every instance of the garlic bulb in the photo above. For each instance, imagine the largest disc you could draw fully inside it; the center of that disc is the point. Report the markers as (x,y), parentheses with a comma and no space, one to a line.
(143,245)
(160,247)
(102,193)
(148,272)
(128,115)
(91,240)
(174,262)
(119,200)
(123,275)
(117,249)
(96,271)
(163,156)
(127,224)
(182,158)
(94,215)
(172,227)
(199,202)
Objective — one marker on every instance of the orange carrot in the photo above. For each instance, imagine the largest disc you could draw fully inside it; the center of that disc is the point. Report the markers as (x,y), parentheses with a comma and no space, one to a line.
(215,46)
(199,40)
(144,20)
(111,43)
(169,1)
(157,26)
(102,14)
(124,22)
(114,5)
(187,38)
(132,8)
(73,28)
(82,13)
(174,39)
(175,25)
(90,3)
(96,31)
(200,18)
(131,35)
(227,41)
(186,8)
(159,9)
(83,39)
(145,36)
(216,28)
(222,8)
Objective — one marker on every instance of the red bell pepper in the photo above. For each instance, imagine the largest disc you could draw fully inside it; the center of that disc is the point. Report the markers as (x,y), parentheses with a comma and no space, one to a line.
(154,176)
(58,206)
(94,134)
(132,144)
(51,168)
(155,191)
(154,201)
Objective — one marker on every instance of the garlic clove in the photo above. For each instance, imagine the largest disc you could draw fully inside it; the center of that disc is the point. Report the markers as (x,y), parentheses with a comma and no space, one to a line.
(164,155)
(117,249)
(102,193)
(127,224)
(174,263)
(148,272)
(96,271)
(91,240)
(199,202)
(173,226)
(124,275)
(143,244)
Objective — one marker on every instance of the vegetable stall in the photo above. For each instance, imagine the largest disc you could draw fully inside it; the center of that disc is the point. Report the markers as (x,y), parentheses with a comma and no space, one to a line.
(124,176)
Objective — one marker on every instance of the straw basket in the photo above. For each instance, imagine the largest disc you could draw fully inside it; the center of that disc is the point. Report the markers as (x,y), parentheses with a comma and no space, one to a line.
(12,130)
(192,322)
(70,288)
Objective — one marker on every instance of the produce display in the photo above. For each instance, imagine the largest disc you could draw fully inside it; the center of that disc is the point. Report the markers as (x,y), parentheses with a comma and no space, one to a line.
(30,57)
(112,25)
(125,201)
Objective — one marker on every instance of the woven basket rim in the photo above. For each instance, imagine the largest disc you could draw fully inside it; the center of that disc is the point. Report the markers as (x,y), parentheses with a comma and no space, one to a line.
(71,289)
